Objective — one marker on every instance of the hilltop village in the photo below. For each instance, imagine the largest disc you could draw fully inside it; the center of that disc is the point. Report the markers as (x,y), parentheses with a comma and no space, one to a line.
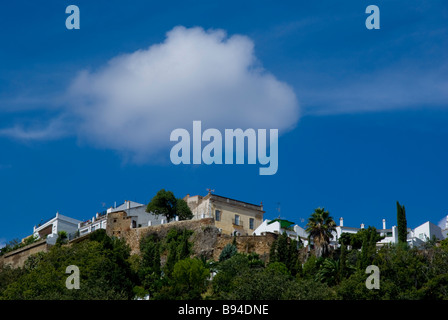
(229,217)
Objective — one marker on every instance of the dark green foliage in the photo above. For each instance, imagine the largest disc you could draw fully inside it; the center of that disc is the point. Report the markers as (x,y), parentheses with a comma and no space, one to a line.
(178,246)
(188,281)
(105,273)
(150,268)
(369,238)
(311,267)
(62,238)
(165,203)
(183,211)
(273,252)
(285,250)
(282,248)
(108,271)
(276,283)
(329,272)
(8,276)
(320,227)
(227,271)
(184,245)
(401,223)
(227,252)
(263,284)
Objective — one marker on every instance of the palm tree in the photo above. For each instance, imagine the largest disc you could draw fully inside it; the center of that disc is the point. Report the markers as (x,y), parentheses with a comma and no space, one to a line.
(320,227)
(329,272)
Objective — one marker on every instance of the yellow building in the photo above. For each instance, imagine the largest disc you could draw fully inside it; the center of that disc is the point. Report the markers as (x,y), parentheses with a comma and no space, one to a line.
(231,216)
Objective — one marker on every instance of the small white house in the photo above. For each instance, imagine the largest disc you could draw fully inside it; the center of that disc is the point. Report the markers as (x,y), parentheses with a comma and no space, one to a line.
(279,226)
(141,218)
(51,227)
(423,233)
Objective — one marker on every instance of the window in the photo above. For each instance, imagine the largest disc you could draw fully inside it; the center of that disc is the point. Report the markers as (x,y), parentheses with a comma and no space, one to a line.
(237,220)
(251,223)
(217,215)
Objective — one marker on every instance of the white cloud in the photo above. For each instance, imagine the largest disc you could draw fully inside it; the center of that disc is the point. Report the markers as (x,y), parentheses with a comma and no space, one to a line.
(134,102)
(395,88)
(54,129)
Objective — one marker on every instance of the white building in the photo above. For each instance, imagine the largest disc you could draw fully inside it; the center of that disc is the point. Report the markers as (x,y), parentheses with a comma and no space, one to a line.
(50,228)
(140,218)
(391,235)
(415,237)
(424,232)
(279,226)
(97,222)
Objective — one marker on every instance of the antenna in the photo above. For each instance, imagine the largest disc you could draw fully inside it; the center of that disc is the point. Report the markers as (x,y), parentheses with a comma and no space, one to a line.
(278,209)
(210,190)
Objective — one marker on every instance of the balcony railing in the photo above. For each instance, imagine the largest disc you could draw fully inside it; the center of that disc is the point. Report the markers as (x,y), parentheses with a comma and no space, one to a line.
(84,223)
(42,222)
(237,222)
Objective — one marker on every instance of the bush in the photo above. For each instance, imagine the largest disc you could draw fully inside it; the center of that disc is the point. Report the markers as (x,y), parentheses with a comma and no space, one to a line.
(188,282)
(227,252)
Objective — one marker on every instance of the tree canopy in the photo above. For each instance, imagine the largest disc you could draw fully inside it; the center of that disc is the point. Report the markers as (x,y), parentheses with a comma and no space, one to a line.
(320,227)
(166,204)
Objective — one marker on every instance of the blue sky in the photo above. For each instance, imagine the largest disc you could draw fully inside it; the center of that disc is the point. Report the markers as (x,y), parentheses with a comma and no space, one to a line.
(362,113)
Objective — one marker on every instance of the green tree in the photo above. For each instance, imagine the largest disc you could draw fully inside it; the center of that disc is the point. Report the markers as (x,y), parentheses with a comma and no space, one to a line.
(261,284)
(285,250)
(178,247)
(183,211)
(329,272)
(273,252)
(104,273)
(227,252)
(227,271)
(308,289)
(62,238)
(369,238)
(150,266)
(189,281)
(165,203)
(343,260)
(320,227)
(184,245)
(402,227)
(311,267)
(282,248)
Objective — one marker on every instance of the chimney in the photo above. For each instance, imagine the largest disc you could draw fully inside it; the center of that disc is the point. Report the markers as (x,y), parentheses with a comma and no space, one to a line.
(128,204)
(384,223)
(341,221)
(362,225)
